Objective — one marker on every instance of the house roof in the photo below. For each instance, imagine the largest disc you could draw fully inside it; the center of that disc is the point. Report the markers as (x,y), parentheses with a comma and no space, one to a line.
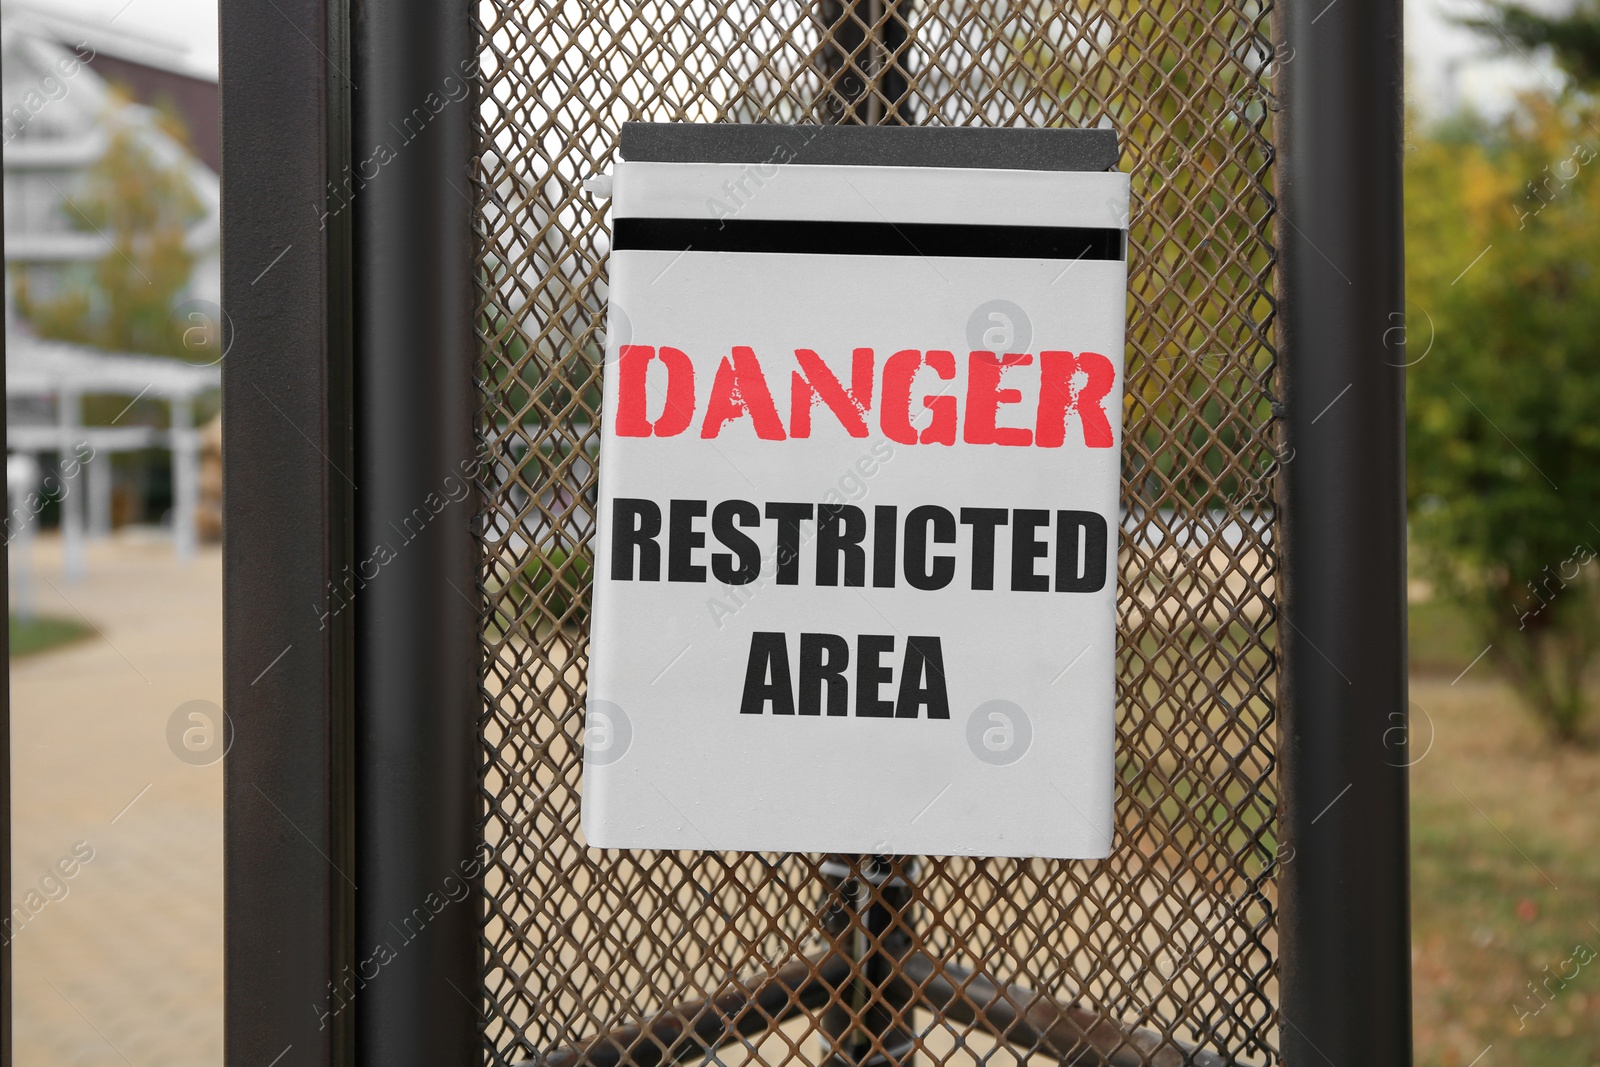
(57,125)
(155,70)
(120,37)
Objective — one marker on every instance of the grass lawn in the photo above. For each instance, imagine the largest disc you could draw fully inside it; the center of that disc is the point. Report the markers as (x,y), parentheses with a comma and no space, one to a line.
(1506,872)
(44,633)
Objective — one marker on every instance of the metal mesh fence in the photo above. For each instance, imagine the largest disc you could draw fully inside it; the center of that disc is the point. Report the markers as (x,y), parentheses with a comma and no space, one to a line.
(1164,953)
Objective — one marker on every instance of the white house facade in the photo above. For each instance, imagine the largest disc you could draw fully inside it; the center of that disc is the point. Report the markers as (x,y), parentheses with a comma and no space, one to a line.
(59,119)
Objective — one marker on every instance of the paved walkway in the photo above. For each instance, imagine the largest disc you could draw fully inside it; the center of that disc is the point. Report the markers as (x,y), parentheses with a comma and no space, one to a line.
(122,962)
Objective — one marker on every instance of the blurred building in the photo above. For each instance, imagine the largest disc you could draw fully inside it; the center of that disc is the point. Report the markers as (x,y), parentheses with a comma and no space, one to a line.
(74,91)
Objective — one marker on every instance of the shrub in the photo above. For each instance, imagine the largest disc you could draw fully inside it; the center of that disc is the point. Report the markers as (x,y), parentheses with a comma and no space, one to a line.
(1504,389)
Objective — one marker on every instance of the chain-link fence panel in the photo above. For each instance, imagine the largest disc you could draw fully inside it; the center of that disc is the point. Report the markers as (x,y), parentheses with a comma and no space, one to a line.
(1162,954)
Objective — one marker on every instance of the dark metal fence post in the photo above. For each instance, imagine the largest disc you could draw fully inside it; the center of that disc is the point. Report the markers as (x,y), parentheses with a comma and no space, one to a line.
(351,633)
(1344,921)
(415,66)
(286,535)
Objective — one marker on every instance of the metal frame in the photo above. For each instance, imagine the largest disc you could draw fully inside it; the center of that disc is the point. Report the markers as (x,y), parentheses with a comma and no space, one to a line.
(352,366)
(416,651)
(354,762)
(287,533)
(1345,952)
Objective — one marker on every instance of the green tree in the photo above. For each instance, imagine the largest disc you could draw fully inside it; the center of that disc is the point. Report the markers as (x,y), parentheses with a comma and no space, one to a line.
(1504,452)
(124,301)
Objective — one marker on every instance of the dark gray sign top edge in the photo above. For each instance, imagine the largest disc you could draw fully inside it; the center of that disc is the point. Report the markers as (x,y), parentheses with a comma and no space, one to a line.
(1002,148)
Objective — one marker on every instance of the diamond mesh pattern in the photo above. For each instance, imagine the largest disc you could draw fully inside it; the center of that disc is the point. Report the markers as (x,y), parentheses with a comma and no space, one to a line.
(1174,934)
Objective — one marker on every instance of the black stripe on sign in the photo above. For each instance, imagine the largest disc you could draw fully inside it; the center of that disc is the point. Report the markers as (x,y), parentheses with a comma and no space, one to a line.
(811,237)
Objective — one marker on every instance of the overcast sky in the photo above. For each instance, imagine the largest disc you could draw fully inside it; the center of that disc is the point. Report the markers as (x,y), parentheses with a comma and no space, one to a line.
(1445,62)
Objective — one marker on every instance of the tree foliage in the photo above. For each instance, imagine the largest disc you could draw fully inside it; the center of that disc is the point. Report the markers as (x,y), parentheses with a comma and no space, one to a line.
(1503,223)
(124,301)
(1573,38)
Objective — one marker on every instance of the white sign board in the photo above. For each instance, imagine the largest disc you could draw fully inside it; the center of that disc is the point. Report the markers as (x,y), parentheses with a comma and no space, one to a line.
(855,571)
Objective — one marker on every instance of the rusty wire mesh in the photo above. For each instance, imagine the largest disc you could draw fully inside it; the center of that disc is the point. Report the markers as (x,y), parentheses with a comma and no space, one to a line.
(1175,934)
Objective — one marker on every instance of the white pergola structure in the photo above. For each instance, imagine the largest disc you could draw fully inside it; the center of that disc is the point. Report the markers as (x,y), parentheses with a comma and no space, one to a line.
(60,375)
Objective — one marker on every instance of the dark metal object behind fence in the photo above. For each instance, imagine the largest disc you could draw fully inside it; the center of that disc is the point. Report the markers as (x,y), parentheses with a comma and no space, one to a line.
(646,957)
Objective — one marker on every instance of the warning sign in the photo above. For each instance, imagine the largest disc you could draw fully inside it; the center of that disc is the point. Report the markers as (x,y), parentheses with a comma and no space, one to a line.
(855,570)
